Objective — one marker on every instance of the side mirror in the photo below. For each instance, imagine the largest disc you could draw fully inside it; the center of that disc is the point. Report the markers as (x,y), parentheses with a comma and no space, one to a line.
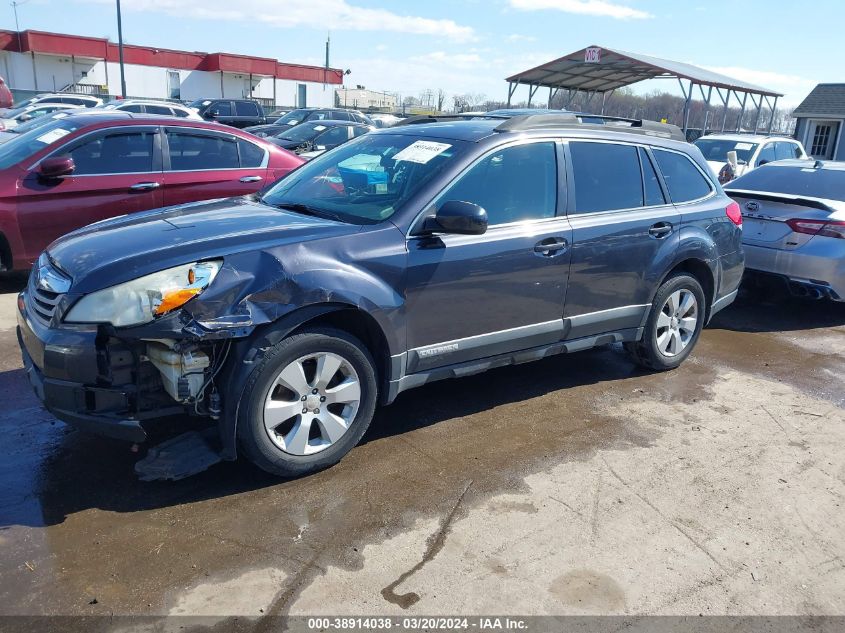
(24,117)
(762,162)
(462,218)
(56,167)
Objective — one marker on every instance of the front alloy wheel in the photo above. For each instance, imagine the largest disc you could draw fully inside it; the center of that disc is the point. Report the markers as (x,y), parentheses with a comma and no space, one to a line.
(312,403)
(309,400)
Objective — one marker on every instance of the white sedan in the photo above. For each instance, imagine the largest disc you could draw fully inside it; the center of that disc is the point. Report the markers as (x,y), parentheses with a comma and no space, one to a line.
(14,117)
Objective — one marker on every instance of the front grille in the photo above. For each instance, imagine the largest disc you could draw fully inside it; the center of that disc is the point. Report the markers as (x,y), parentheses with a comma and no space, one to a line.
(43,303)
(46,287)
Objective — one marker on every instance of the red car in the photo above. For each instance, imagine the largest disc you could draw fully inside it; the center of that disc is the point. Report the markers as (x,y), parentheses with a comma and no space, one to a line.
(6,100)
(88,167)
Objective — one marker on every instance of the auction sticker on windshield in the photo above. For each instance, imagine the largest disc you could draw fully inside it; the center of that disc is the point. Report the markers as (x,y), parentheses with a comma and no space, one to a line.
(53,135)
(744,146)
(421,151)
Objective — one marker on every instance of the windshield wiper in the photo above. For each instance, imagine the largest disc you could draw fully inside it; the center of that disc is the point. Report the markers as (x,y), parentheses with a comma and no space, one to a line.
(305,209)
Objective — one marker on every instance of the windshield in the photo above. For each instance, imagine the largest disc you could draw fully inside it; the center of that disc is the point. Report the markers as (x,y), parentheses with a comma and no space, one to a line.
(366,180)
(25,145)
(797,181)
(11,114)
(39,121)
(292,118)
(717,149)
(304,132)
(200,103)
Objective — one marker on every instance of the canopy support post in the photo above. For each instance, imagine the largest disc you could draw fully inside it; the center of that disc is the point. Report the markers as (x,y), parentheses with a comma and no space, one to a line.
(532,90)
(706,106)
(759,105)
(772,117)
(741,112)
(511,89)
(688,107)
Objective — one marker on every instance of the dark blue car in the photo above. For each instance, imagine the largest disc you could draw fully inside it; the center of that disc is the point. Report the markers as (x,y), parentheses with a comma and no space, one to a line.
(402,257)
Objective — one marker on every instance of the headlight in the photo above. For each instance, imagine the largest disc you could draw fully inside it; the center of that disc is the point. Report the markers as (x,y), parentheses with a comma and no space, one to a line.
(142,300)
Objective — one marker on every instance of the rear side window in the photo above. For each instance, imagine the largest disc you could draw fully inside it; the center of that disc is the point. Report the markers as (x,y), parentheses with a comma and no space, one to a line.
(767,154)
(180,112)
(201,151)
(246,108)
(121,153)
(251,154)
(683,179)
(512,184)
(607,177)
(135,107)
(358,130)
(157,109)
(651,185)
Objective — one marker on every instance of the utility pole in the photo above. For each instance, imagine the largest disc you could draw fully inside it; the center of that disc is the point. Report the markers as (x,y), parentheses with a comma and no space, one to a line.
(15,5)
(120,52)
(326,72)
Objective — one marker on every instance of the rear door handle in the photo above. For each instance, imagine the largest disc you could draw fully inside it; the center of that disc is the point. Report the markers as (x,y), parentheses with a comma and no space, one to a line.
(144,186)
(251,179)
(551,246)
(660,230)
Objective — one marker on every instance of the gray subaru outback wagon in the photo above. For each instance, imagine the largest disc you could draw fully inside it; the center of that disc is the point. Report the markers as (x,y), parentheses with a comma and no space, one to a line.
(406,256)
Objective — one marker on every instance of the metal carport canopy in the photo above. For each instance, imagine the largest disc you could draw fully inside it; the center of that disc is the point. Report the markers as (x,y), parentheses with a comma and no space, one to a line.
(598,70)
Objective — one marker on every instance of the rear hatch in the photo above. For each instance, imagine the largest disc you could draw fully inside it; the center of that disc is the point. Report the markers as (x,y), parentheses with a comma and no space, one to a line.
(765,217)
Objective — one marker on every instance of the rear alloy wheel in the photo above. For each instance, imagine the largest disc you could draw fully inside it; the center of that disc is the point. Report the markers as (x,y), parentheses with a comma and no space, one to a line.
(308,402)
(673,326)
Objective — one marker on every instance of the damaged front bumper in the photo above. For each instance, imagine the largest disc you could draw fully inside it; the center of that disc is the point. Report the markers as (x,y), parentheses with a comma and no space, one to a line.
(93,381)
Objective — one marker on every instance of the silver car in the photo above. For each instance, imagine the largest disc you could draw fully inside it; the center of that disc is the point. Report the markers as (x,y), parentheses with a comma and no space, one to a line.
(794,224)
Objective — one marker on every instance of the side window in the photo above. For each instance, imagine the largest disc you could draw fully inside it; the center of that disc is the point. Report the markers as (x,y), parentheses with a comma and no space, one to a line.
(343,116)
(180,112)
(319,115)
(785,150)
(607,177)
(246,108)
(133,107)
(651,185)
(222,108)
(120,153)
(683,179)
(251,154)
(189,151)
(157,109)
(767,154)
(512,184)
(358,130)
(796,151)
(333,137)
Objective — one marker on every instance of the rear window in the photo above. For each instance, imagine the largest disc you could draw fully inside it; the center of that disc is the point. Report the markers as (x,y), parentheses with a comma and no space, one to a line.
(683,179)
(607,177)
(797,181)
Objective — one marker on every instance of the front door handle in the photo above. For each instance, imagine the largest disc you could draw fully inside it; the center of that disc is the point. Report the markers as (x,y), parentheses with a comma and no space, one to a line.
(144,186)
(660,230)
(251,179)
(551,246)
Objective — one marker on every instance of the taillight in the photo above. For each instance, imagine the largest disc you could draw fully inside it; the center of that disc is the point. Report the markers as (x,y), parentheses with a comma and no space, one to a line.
(835,228)
(734,214)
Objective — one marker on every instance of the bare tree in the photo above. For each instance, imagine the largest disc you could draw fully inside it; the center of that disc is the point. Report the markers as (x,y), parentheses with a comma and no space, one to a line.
(441,98)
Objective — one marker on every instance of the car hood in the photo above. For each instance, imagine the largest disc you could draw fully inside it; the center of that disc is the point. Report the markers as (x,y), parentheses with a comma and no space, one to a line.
(117,250)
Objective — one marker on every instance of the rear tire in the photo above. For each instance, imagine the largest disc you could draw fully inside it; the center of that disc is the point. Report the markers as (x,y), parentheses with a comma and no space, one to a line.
(673,326)
(308,403)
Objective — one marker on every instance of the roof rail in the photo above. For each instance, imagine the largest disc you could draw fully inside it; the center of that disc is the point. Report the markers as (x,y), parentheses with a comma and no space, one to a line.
(445,118)
(564,119)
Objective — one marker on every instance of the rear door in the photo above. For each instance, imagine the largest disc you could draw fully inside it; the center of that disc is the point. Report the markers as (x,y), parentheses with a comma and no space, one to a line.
(247,113)
(201,164)
(622,224)
(117,171)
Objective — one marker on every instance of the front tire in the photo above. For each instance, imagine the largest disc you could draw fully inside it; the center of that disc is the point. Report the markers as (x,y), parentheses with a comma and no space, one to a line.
(673,326)
(308,403)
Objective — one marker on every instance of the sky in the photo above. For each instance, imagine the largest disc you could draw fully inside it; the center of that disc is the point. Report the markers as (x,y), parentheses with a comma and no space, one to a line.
(470,46)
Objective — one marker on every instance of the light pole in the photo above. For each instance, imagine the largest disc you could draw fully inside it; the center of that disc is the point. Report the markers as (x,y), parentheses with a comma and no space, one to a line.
(15,5)
(120,52)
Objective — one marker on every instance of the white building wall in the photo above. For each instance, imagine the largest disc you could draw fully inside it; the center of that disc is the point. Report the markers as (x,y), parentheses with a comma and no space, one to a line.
(46,73)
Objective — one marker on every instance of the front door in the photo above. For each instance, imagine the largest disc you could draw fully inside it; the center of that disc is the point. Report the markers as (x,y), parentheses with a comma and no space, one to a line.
(205,164)
(475,296)
(622,223)
(117,171)
(822,136)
